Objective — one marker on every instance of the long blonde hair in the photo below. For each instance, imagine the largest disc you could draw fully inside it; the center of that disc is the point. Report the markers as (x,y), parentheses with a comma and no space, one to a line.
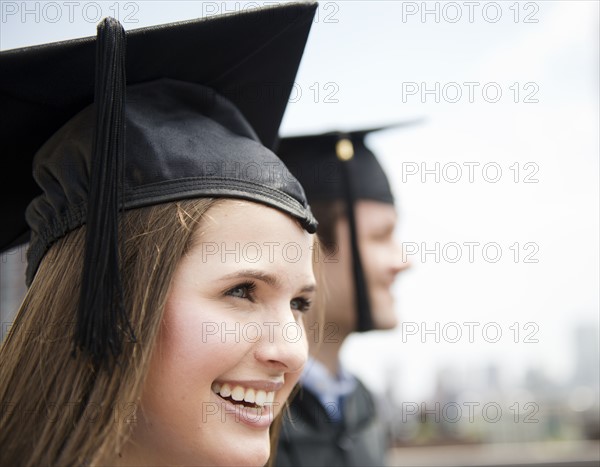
(57,409)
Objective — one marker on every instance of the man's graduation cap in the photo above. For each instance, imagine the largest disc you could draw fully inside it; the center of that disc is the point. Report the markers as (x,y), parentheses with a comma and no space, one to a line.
(125,120)
(340,166)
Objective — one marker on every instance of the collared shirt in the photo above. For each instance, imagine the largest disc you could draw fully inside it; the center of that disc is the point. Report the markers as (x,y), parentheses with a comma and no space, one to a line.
(329,389)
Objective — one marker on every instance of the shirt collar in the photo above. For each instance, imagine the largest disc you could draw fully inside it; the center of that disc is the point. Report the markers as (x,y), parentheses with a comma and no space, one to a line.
(327,387)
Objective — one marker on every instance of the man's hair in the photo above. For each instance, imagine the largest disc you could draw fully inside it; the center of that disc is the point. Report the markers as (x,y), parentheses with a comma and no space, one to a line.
(328,213)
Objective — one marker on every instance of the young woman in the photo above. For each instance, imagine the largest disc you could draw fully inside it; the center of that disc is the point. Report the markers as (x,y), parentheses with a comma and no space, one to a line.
(170,251)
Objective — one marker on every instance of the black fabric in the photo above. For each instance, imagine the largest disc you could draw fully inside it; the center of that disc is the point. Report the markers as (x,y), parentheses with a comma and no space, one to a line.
(250,58)
(310,438)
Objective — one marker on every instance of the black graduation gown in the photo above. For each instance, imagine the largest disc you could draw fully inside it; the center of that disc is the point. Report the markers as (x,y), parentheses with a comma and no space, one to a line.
(309,438)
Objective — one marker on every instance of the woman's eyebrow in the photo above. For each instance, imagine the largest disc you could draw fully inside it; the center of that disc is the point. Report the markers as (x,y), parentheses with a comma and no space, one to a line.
(308,288)
(265,277)
(257,274)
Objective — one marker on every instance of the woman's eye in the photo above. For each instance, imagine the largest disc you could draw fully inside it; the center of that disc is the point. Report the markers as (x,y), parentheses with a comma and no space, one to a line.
(300,304)
(239,292)
(242,291)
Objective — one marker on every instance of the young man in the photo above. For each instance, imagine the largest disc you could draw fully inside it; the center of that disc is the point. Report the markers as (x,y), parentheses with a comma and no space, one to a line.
(333,419)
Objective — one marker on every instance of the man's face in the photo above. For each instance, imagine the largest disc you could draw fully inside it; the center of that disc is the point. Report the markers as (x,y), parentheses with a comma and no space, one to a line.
(382,260)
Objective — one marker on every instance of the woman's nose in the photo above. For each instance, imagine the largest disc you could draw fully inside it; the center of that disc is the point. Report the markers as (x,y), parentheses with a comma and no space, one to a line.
(283,344)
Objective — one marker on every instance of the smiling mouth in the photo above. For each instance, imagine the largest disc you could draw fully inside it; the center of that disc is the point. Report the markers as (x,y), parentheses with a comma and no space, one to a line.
(247,397)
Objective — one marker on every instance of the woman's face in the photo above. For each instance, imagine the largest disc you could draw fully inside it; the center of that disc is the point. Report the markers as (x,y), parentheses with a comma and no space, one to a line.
(232,344)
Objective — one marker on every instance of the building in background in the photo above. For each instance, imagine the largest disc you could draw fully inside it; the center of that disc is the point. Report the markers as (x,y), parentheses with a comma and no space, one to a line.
(12,286)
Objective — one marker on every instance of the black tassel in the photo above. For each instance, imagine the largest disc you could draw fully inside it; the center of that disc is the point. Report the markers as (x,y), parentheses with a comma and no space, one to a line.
(102,321)
(364,323)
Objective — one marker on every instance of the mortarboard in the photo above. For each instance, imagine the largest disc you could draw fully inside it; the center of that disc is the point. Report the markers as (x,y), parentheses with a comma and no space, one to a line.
(339,165)
(124,120)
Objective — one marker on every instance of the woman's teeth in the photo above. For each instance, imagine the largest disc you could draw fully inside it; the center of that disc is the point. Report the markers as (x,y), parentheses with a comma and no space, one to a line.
(241,394)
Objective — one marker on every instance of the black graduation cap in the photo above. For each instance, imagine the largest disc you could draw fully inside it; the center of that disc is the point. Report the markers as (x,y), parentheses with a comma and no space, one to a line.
(125,120)
(338,165)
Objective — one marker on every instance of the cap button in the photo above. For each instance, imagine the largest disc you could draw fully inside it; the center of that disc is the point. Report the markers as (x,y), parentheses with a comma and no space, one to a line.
(344,149)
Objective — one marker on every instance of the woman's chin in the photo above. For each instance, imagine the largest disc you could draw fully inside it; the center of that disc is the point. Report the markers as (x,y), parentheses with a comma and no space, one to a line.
(246,457)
